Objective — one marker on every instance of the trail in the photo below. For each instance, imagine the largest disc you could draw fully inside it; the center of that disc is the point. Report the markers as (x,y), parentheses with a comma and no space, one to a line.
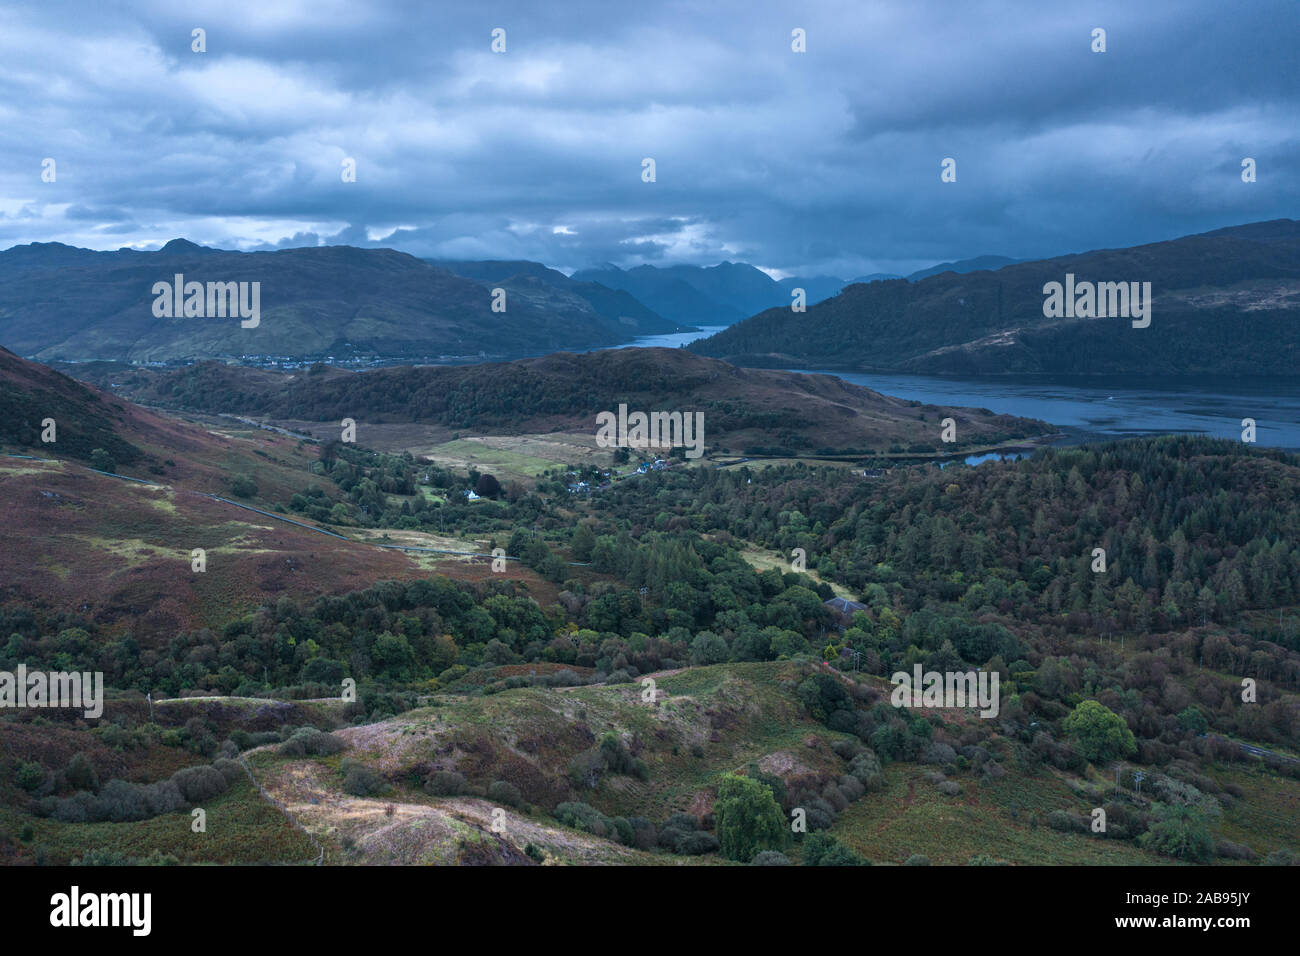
(320,854)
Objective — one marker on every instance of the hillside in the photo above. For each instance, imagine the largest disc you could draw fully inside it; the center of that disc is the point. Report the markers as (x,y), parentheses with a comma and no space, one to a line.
(564,392)
(118,552)
(1225,303)
(490,780)
(59,302)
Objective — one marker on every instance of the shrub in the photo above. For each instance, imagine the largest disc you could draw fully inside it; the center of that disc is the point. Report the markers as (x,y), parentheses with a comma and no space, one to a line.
(230,769)
(770,858)
(502,791)
(866,768)
(623,831)
(1233,851)
(1180,832)
(643,833)
(30,776)
(310,741)
(696,844)
(101,460)
(916,859)
(360,781)
(583,817)
(444,783)
(197,784)
(940,754)
(80,774)
(822,849)
(1067,822)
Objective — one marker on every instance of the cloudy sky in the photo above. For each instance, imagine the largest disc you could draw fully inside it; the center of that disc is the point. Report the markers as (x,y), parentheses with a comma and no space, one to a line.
(826,161)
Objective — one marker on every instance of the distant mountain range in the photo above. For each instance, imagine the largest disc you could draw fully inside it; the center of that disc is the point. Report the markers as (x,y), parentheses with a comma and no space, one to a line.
(709,295)
(730,291)
(547,288)
(60,302)
(1224,303)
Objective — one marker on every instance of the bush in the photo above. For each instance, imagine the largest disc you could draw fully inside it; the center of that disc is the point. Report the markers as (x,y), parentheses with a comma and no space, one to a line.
(866,768)
(1066,822)
(1180,832)
(444,783)
(623,831)
(101,460)
(583,817)
(940,754)
(916,859)
(534,854)
(230,769)
(505,793)
(696,844)
(770,858)
(80,774)
(30,776)
(822,849)
(643,833)
(197,784)
(310,741)
(1233,851)
(360,781)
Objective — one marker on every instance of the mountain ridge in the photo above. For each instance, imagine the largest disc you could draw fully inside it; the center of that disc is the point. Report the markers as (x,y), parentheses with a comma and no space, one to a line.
(1225,303)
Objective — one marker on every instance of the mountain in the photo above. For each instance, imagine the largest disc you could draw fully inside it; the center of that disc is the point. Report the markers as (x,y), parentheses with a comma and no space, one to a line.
(708,295)
(564,392)
(977,264)
(59,302)
(1224,303)
(816,288)
(875,277)
(523,280)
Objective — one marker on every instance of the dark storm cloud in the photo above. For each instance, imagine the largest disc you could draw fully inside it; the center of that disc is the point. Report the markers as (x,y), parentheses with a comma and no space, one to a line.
(820,162)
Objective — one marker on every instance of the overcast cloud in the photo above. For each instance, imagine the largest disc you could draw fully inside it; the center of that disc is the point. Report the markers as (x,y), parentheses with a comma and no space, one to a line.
(820,162)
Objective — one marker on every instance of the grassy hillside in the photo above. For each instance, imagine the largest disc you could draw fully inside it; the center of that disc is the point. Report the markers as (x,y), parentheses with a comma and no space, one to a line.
(974,799)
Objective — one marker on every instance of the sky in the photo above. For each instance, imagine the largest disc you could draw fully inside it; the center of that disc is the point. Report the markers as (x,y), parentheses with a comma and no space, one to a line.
(821,162)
